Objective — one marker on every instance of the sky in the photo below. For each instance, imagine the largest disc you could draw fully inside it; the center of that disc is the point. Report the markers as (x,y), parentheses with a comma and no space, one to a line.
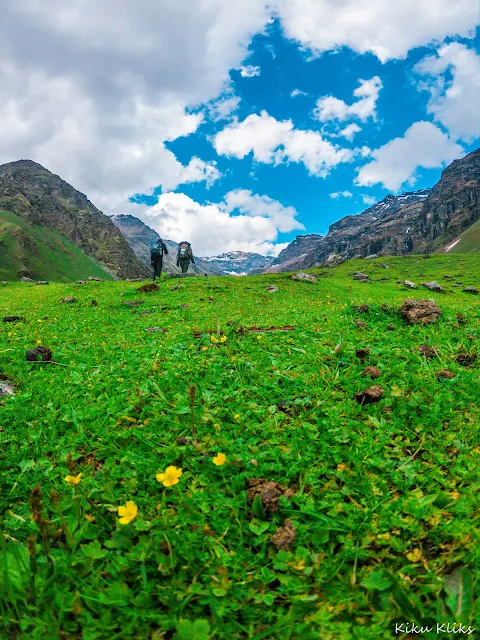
(235,125)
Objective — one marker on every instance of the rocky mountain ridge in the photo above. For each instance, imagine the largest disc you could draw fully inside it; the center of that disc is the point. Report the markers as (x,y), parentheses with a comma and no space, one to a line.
(240,263)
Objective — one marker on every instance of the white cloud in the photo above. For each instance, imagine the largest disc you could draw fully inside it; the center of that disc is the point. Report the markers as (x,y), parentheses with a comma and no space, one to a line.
(423,145)
(212,229)
(249,71)
(92,90)
(341,194)
(370,200)
(385,28)
(224,107)
(275,141)
(297,92)
(350,131)
(455,101)
(331,108)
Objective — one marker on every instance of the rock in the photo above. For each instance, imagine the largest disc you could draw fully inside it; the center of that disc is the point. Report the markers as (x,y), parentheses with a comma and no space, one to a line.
(446,374)
(409,284)
(147,288)
(6,389)
(269,491)
(3,282)
(272,289)
(69,300)
(155,329)
(433,286)
(184,306)
(93,279)
(284,536)
(300,276)
(420,311)
(145,313)
(372,372)
(363,277)
(473,290)
(81,282)
(134,303)
(371,395)
(333,260)
(175,288)
(25,279)
(43,354)
(135,279)
(372,256)
(385,266)
(42,282)
(466,359)
(13,319)
(427,351)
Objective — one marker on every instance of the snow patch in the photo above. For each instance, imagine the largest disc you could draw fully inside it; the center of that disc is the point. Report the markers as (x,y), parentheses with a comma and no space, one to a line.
(450,246)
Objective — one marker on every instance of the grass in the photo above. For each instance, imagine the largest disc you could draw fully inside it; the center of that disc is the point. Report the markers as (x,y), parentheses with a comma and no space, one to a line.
(41,253)
(469,240)
(385,496)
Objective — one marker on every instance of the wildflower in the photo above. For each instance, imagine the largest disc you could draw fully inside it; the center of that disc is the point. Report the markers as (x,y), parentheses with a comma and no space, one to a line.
(169,477)
(259,337)
(214,339)
(223,339)
(128,512)
(219,459)
(415,555)
(233,358)
(39,342)
(73,480)
(236,416)
(204,348)
(39,320)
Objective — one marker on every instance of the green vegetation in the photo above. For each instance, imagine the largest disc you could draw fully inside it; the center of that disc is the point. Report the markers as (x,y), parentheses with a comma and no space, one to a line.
(469,241)
(41,253)
(383,497)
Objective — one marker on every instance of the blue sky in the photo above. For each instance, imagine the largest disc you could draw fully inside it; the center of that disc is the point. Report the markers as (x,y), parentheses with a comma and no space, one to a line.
(240,126)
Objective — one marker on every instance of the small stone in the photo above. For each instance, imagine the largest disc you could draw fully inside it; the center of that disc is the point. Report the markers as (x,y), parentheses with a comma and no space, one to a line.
(473,290)
(134,303)
(6,389)
(420,311)
(433,286)
(362,277)
(42,282)
(385,266)
(25,279)
(93,279)
(305,277)
(409,284)
(68,300)
(372,372)
(81,282)
(371,395)
(156,329)
(175,288)
(272,289)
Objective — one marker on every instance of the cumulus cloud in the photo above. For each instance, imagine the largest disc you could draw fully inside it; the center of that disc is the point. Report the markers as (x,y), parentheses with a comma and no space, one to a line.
(385,28)
(331,108)
(249,71)
(341,194)
(297,92)
(370,200)
(453,80)
(349,131)
(243,221)
(93,90)
(276,141)
(423,145)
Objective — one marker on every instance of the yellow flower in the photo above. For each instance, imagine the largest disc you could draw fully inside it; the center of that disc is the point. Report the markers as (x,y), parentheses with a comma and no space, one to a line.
(39,342)
(259,337)
(39,320)
(233,358)
(128,512)
(214,339)
(414,556)
(219,459)
(204,348)
(236,416)
(169,477)
(73,480)
(223,339)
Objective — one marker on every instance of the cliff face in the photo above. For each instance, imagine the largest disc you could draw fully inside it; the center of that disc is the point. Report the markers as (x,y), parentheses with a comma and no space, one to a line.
(43,199)
(414,222)
(240,263)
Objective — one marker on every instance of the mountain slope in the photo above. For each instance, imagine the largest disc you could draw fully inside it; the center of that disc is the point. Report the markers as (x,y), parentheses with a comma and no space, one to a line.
(413,222)
(240,263)
(141,237)
(41,253)
(43,199)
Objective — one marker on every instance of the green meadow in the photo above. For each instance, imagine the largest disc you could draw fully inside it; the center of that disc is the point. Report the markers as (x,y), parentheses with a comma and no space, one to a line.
(370,517)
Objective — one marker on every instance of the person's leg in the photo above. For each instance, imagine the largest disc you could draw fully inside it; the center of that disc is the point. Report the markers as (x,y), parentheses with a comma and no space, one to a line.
(184,265)
(159,268)
(154,269)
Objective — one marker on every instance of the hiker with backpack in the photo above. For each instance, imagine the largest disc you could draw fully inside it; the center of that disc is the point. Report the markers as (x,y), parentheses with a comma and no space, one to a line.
(184,256)
(156,257)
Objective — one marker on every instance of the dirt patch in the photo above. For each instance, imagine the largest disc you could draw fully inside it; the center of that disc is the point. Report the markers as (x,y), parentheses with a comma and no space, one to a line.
(39,354)
(269,491)
(362,353)
(466,359)
(446,374)
(13,319)
(284,536)
(420,311)
(372,372)
(461,319)
(370,396)
(147,288)
(362,308)
(134,303)
(361,325)
(93,303)
(427,351)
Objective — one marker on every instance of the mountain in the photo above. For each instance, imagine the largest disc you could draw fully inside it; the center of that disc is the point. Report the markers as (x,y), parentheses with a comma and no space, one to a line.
(240,263)
(43,202)
(141,237)
(422,221)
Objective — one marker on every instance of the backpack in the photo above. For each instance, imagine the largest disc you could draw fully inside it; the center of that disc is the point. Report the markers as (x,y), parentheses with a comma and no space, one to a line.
(156,252)
(184,250)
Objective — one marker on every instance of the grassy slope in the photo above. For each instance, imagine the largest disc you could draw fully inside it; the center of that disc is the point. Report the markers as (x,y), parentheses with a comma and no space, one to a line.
(469,241)
(55,257)
(373,483)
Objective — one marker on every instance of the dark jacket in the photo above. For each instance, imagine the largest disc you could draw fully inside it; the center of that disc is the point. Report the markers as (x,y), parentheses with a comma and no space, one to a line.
(161,243)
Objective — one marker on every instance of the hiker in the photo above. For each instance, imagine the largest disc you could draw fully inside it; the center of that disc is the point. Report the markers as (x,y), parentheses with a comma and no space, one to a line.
(156,257)
(184,256)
